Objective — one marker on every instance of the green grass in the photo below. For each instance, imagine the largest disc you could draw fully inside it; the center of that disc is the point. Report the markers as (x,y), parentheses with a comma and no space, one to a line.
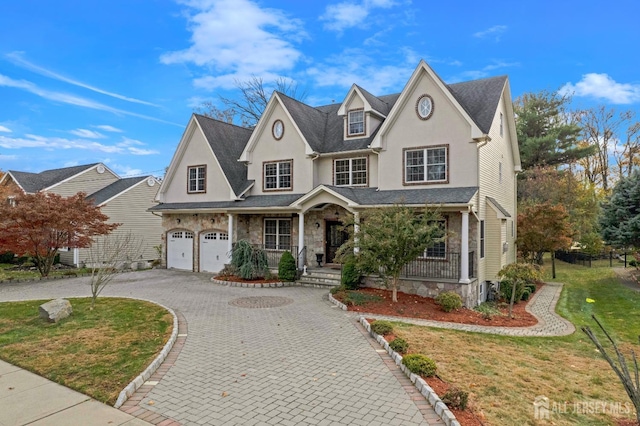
(350,297)
(504,374)
(96,352)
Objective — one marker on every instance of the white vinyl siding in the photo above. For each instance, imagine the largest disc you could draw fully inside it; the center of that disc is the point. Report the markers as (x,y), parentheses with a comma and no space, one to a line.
(88,182)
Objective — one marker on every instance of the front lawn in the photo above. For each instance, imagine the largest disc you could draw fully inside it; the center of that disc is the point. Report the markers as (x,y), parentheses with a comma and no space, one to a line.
(96,352)
(504,375)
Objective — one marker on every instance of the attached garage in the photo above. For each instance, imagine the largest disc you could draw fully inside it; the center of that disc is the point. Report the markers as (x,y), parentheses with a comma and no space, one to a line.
(213,251)
(180,250)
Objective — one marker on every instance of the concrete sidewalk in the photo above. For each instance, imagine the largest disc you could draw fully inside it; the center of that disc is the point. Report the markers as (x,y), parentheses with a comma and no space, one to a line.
(26,398)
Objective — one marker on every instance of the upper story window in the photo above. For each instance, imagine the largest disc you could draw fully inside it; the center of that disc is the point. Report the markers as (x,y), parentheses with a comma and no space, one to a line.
(356,122)
(197,179)
(426,165)
(278,176)
(350,172)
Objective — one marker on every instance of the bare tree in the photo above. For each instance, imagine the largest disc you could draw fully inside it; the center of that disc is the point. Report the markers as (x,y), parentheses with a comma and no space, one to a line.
(110,256)
(627,152)
(254,97)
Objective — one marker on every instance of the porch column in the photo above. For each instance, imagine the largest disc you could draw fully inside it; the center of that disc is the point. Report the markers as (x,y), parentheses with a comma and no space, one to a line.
(356,229)
(464,249)
(300,254)
(230,232)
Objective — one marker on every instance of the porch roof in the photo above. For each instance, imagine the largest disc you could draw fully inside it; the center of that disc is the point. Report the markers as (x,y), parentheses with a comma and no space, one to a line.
(361,197)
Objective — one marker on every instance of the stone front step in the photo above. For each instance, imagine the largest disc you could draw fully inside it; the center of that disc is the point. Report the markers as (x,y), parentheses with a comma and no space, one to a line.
(320,278)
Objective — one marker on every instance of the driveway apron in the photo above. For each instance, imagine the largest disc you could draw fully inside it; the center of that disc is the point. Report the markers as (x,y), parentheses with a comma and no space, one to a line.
(257,356)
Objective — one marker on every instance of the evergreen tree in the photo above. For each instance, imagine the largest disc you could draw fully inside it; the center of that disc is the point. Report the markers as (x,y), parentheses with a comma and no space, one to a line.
(546,137)
(620,219)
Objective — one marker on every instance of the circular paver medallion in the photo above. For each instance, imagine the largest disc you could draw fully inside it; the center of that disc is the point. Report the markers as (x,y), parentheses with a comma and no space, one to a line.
(260,302)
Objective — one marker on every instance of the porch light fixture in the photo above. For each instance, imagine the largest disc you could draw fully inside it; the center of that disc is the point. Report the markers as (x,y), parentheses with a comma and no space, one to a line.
(178,220)
(213,220)
(337,213)
(317,225)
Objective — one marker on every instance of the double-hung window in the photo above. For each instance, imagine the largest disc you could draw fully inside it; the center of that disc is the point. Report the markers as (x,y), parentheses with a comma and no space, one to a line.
(439,249)
(350,172)
(278,175)
(277,234)
(356,122)
(197,176)
(426,164)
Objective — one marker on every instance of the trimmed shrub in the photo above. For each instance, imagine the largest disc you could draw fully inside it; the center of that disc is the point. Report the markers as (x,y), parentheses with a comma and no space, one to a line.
(420,364)
(287,267)
(7,257)
(456,398)
(350,275)
(382,327)
(399,345)
(525,294)
(506,287)
(449,301)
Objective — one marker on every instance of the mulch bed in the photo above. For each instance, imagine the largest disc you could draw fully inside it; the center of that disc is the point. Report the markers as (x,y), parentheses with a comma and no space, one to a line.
(414,306)
(236,279)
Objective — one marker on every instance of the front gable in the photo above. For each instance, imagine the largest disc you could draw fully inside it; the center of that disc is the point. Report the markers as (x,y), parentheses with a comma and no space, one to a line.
(88,181)
(194,152)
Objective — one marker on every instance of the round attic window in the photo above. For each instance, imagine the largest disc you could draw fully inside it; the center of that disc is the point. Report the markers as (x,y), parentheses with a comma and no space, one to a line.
(151,181)
(278,129)
(100,169)
(424,107)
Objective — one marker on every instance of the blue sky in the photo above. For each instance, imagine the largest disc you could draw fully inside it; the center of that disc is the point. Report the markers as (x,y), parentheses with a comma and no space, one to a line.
(116,81)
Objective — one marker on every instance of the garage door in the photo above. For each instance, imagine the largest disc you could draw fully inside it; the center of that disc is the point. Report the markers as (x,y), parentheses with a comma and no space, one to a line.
(213,251)
(180,250)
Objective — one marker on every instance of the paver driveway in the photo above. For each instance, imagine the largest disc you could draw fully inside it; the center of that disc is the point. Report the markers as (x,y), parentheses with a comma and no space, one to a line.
(301,363)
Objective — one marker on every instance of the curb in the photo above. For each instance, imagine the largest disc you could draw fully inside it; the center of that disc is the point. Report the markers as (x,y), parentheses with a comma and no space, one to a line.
(338,303)
(249,285)
(421,385)
(151,368)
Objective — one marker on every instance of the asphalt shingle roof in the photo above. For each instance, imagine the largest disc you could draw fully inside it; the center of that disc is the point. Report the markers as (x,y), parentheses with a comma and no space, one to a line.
(114,189)
(227,142)
(254,201)
(480,98)
(34,182)
(499,207)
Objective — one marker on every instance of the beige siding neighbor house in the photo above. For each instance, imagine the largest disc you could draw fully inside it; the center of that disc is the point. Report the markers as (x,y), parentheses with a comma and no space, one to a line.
(289,183)
(123,200)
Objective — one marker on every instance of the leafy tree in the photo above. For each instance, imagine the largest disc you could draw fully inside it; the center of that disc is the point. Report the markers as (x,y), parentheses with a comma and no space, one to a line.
(543,228)
(546,137)
(253,99)
(40,224)
(580,199)
(620,219)
(388,238)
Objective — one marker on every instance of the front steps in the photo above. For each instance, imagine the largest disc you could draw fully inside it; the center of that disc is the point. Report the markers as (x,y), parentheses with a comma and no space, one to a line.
(320,277)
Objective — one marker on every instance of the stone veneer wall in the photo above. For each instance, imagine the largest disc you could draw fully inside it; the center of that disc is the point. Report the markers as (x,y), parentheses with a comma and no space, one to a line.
(425,288)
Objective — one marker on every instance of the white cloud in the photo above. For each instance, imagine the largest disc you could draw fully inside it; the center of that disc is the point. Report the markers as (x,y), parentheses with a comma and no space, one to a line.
(349,14)
(235,39)
(5,129)
(108,128)
(35,141)
(138,151)
(483,72)
(130,145)
(85,133)
(17,59)
(602,86)
(72,99)
(71,163)
(124,171)
(496,32)
(355,66)
(128,142)
(8,157)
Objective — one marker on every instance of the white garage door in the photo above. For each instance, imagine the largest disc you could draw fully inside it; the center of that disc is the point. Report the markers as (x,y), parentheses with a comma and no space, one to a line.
(180,250)
(213,251)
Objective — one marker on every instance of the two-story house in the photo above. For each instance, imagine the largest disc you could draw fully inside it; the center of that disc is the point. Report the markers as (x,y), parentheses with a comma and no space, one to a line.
(123,200)
(288,183)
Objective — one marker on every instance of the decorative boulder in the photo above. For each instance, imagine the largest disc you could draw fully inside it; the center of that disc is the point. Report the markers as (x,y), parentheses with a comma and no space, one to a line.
(55,310)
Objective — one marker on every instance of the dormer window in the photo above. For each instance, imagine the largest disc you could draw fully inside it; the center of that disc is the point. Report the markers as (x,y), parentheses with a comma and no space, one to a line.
(356,122)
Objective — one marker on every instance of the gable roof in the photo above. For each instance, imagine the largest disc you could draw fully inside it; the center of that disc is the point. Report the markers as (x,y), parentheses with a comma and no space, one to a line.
(480,98)
(502,212)
(115,189)
(227,142)
(34,182)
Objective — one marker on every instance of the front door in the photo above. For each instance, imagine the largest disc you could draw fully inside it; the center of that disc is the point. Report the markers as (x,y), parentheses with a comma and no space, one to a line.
(334,239)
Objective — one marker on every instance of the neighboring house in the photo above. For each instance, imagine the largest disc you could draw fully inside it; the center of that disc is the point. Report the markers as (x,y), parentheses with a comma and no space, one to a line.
(288,183)
(125,201)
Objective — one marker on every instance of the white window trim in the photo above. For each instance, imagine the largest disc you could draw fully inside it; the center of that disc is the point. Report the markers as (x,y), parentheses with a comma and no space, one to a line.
(277,234)
(198,178)
(426,165)
(350,121)
(277,175)
(351,171)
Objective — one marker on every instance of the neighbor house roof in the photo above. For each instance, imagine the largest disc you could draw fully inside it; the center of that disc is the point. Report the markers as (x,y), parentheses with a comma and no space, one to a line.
(114,189)
(34,182)
(227,142)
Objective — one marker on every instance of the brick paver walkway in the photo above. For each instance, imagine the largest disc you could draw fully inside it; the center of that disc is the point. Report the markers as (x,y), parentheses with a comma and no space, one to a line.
(542,306)
(304,363)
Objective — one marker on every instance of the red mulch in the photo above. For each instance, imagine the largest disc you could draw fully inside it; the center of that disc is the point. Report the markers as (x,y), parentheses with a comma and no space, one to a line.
(237,279)
(466,417)
(627,422)
(414,306)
